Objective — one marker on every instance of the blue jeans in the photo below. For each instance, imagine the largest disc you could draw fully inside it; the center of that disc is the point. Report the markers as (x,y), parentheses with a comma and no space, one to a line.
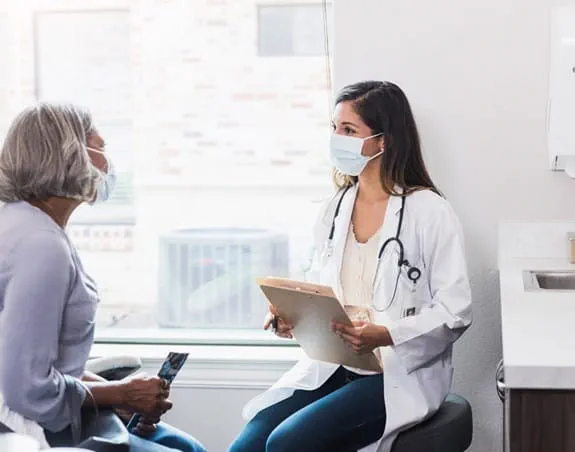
(165,438)
(345,414)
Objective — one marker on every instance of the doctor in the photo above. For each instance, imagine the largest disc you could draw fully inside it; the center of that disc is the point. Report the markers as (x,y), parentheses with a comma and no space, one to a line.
(389,243)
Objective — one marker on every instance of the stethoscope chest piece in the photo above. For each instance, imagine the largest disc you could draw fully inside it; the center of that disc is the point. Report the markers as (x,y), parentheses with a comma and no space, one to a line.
(414,274)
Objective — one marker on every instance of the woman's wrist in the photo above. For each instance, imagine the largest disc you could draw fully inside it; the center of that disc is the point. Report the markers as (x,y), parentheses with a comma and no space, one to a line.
(385,339)
(110,393)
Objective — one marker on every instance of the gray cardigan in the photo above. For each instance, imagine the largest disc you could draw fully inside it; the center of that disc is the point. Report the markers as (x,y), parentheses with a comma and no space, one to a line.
(47,310)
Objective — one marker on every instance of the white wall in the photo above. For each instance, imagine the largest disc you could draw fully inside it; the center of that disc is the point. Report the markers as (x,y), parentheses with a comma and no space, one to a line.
(476,73)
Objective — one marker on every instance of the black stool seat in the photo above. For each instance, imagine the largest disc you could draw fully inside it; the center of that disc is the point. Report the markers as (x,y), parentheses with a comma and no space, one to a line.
(448,430)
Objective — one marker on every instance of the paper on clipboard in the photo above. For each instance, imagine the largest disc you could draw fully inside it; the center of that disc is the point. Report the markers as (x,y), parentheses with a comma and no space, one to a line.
(310,308)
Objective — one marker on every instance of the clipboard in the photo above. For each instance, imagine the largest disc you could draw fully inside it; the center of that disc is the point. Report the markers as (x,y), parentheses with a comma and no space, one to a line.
(310,308)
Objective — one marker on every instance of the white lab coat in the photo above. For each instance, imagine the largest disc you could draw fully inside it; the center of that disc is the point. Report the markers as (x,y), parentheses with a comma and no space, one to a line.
(418,367)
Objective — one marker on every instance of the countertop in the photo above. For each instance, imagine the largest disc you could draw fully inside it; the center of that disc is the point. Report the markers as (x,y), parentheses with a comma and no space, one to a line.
(538,328)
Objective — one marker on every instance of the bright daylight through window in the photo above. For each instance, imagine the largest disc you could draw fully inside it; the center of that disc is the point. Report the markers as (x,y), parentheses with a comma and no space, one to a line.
(216,114)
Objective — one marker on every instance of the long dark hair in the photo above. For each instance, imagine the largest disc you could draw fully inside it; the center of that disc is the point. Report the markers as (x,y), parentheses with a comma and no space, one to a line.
(384,108)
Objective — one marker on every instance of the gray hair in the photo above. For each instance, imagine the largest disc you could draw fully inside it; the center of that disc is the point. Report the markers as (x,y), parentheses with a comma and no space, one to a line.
(44,154)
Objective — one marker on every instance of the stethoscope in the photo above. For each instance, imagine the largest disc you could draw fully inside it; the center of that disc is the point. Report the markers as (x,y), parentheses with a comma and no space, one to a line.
(413,273)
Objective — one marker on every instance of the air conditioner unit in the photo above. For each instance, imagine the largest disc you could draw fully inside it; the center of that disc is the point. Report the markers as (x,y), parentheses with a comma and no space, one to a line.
(208,276)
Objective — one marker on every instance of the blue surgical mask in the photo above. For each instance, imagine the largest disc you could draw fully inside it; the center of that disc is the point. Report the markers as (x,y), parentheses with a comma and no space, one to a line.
(108,183)
(345,154)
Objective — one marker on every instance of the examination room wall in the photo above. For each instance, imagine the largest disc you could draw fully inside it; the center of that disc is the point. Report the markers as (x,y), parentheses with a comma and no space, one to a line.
(476,74)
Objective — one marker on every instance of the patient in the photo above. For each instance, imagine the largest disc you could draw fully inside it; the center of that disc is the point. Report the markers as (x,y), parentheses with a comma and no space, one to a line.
(53,160)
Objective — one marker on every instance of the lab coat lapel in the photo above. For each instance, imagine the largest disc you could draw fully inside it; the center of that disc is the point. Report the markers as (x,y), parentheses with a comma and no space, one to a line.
(390,220)
(342,222)
(340,236)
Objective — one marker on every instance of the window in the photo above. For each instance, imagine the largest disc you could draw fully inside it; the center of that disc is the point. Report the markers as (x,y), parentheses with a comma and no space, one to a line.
(292,30)
(222,154)
(4,74)
(85,57)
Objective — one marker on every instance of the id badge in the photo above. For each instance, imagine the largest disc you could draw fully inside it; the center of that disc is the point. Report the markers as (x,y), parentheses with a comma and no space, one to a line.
(409,307)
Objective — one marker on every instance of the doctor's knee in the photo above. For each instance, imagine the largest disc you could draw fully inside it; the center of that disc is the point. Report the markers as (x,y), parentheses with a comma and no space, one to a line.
(246,443)
(283,440)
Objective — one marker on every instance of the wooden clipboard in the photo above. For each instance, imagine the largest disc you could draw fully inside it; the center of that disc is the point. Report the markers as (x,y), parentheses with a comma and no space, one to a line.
(310,308)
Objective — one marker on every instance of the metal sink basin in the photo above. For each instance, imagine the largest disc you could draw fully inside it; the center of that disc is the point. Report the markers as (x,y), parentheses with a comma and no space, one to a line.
(549,280)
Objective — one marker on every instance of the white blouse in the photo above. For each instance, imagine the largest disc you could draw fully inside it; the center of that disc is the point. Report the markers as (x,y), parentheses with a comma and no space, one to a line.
(357,279)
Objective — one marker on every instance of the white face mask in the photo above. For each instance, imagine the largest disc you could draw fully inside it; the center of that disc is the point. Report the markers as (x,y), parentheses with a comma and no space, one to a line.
(107,185)
(345,154)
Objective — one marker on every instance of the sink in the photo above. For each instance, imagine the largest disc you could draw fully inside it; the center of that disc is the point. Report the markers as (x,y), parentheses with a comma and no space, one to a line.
(549,280)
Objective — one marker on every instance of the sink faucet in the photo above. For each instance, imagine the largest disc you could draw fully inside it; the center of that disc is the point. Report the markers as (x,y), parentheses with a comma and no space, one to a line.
(571,241)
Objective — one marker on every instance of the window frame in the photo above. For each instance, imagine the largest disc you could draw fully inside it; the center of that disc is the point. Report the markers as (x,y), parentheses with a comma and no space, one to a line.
(167,336)
(263,5)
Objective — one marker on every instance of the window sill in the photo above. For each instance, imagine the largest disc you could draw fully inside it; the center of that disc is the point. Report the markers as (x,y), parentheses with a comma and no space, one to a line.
(188,337)
(213,366)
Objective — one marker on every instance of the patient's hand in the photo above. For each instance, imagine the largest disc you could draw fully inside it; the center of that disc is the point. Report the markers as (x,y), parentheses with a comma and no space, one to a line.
(124,413)
(146,395)
(146,426)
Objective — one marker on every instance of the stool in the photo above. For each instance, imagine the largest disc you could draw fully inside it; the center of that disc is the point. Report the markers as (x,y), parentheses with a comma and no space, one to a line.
(4,428)
(448,430)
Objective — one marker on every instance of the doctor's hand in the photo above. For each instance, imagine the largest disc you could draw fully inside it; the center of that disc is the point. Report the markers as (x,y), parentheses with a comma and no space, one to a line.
(362,336)
(281,328)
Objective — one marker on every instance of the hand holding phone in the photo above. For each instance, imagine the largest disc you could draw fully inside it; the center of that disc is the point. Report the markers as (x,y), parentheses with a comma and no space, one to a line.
(170,368)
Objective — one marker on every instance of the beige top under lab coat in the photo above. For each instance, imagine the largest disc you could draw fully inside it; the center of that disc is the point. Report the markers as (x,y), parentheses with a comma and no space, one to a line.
(357,279)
